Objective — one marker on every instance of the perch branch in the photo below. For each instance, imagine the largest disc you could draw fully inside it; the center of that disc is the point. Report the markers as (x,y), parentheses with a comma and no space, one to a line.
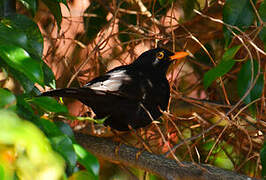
(166,168)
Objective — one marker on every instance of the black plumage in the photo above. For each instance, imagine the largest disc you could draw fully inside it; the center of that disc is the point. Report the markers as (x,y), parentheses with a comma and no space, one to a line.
(132,95)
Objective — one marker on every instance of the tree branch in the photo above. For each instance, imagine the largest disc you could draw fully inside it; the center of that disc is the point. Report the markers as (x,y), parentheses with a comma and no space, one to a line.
(166,168)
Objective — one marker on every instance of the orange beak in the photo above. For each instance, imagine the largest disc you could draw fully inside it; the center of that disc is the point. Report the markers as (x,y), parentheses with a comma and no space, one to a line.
(179,55)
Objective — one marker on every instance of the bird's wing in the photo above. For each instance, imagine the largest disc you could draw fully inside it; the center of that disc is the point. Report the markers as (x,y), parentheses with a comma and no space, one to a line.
(117,82)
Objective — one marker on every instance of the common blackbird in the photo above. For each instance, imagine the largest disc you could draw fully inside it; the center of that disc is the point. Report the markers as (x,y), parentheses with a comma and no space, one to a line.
(130,95)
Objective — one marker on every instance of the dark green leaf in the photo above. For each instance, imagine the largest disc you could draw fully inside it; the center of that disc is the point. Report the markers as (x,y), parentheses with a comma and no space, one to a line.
(237,14)
(94,24)
(222,68)
(32,5)
(24,110)
(7,98)
(262,13)
(21,31)
(61,142)
(54,7)
(12,37)
(65,129)
(49,128)
(87,160)
(202,57)
(262,36)
(244,82)
(49,104)
(20,60)
(49,78)
(24,81)
(63,145)
(263,160)
(230,53)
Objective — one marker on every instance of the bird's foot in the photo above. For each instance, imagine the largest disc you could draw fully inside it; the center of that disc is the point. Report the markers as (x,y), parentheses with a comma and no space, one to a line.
(139,153)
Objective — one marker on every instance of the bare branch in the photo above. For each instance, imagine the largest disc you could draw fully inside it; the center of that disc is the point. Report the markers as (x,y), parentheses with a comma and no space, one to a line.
(157,164)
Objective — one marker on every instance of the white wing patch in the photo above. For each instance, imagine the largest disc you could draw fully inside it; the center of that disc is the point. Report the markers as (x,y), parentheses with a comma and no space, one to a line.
(107,85)
(114,82)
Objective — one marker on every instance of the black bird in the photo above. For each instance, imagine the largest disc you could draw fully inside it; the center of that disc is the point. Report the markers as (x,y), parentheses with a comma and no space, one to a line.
(131,95)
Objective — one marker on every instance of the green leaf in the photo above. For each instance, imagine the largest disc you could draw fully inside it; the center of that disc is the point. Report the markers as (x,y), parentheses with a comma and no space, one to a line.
(237,14)
(34,154)
(20,60)
(49,78)
(65,129)
(61,134)
(63,145)
(24,110)
(93,25)
(54,7)
(244,82)
(61,142)
(223,161)
(49,104)
(32,5)
(202,57)
(262,36)
(222,68)
(87,160)
(153,177)
(11,36)
(21,31)
(2,172)
(82,175)
(7,98)
(262,13)
(49,128)
(26,83)
(263,160)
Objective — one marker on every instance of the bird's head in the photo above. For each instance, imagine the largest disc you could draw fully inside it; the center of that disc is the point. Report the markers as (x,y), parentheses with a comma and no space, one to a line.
(157,59)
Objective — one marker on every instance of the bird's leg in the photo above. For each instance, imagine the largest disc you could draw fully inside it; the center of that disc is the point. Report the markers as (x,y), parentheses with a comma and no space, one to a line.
(134,132)
(139,153)
(117,148)
(160,132)
(122,140)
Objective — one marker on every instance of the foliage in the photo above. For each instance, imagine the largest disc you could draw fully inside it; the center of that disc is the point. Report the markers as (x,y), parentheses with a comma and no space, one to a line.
(34,147)
(26,151)
(229,41)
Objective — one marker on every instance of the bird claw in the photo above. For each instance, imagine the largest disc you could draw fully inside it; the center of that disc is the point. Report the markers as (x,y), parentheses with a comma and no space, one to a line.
(117,148)
(139,153)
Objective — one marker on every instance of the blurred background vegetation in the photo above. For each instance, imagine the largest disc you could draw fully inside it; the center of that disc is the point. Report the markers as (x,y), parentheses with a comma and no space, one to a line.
(216,114)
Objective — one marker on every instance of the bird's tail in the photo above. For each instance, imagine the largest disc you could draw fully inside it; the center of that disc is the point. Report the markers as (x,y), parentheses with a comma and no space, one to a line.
(76,93)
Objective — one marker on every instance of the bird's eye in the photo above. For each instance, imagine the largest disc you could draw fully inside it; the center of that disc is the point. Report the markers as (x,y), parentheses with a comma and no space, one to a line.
(160,55)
